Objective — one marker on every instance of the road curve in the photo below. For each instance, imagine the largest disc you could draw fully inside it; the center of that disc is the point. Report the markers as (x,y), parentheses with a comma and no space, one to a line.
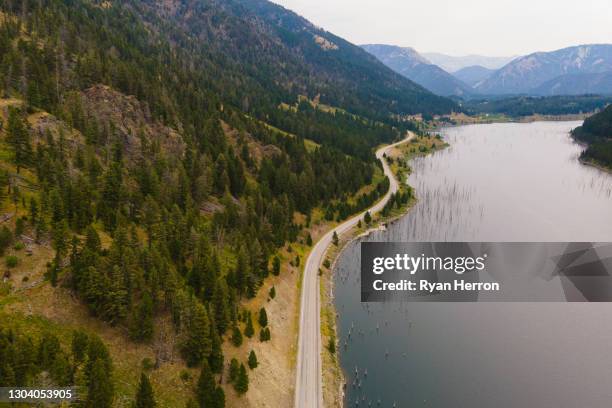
(308,382)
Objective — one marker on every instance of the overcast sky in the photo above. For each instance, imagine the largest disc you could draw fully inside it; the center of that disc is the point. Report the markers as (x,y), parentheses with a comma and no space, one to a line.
(460,27)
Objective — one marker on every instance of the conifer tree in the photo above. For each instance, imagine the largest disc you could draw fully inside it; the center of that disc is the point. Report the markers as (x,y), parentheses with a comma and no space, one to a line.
(335,240)
(79,345)
(215,360)
(100,391)
(18,137)
(249,330)
(141,325)
(236,336)
(144,396)
(276,266)
(197,345)
(242,381)
(206,387)
(234,368)
(252,360)
(263,317)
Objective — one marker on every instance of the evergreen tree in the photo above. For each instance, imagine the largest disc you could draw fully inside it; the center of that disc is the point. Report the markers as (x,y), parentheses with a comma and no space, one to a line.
(252,360)
(233,370)
(264,334)
(276,266)
(206,387)
(141,325)
(100,392)
(249,331)
(79,345)
(335,240)
(272,292)
(263,317)
(18,137)
(367,218)
(215,360)
(144,395)
(197,346)
(236,336)
(309,239)
(242,381)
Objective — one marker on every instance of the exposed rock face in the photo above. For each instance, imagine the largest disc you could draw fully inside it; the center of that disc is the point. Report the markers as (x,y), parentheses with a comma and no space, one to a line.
(130,120)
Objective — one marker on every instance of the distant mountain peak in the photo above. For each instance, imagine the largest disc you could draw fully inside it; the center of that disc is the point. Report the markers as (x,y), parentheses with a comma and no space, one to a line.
(409,63)
(525,74)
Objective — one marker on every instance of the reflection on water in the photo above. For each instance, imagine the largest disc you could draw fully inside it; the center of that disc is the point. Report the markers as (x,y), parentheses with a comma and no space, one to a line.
(502,182)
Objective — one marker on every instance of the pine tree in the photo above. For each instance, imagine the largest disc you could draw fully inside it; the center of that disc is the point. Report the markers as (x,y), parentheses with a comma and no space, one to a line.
(272,292)
(141,325)
(309,239)
(263,317)
(18,137)
(242,381)
(367,218)
(276,266)
(215,360)
(79,345)
(236,336)
(335,240)
(249,331)
(206,387)
(264,334)
(197,345)
(144,396)
(100,391)
(252,360)
(219,397)
(233,370)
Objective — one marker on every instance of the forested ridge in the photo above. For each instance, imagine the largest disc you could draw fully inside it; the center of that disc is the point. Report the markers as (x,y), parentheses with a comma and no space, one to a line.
(521,106)
(596,132)
(139,143)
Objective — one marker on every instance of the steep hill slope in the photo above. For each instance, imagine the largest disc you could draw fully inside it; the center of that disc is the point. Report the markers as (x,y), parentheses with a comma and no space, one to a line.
(282,55)
(526,73)
(577,84)
(409,63)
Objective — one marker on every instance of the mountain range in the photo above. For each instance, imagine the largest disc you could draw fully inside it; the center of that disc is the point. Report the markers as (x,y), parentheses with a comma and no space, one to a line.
(526,74)
(452,63)
(412,65)
(583,69)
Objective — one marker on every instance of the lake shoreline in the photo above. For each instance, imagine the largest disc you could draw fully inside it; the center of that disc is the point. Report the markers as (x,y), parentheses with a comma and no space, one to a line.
(328,282)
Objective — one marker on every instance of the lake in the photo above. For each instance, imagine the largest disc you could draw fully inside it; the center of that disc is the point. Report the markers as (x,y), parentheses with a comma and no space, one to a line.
(498,182)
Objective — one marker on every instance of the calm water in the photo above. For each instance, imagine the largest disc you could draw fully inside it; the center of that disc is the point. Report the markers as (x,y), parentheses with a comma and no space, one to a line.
(501,182)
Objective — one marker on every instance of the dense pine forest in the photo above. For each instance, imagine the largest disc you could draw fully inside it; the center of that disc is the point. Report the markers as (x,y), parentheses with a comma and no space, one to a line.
(165,152)
(596,132)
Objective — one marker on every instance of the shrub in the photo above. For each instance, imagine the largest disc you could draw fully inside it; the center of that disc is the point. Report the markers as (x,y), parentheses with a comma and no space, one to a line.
(11,261)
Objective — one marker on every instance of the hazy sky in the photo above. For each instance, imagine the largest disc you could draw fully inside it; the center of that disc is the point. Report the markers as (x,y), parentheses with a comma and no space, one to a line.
(460,27)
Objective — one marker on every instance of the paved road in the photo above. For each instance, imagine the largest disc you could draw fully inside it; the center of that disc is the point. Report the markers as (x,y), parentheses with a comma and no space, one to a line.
(308,383)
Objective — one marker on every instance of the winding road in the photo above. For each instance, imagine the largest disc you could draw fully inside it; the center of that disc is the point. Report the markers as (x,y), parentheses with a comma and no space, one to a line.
(308,383)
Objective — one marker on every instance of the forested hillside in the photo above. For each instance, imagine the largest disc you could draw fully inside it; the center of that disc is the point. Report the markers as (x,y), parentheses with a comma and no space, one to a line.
(520,106)
(155,160)
(597,133)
